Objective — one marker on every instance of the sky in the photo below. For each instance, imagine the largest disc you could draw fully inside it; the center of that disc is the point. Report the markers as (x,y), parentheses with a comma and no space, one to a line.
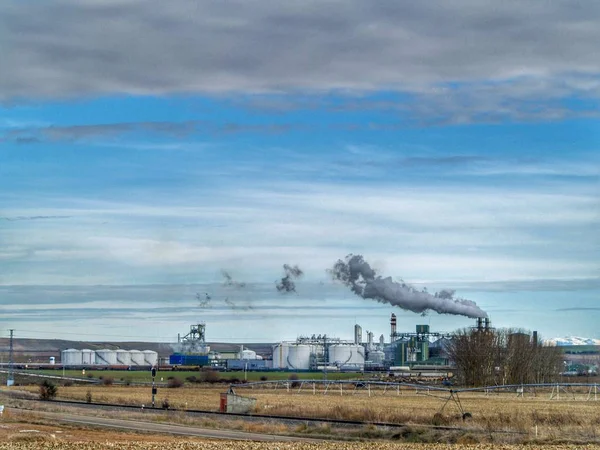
(148,146)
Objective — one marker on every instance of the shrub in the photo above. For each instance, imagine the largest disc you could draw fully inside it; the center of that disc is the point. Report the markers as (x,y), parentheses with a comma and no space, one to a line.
(165,403)
(90,375)
(264,378)
(88,396)
(209,376)
(107,381)
(48,390)
(173,382)
(192,379)
(294,377)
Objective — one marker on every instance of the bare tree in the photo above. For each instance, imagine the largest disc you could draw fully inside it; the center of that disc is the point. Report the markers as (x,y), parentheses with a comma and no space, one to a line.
(502,356)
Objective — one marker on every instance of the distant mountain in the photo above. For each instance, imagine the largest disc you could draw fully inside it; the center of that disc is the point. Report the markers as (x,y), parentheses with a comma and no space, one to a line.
(573,340)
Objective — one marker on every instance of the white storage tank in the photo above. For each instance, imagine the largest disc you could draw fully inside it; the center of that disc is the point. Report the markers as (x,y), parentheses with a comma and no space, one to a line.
(247,354)
(299,357)
(52,360)
(137,358)
(150,358)
(123,357)
(347,355)
(376,356)
(88,357)
(106,357)
(71,357)
(280,355)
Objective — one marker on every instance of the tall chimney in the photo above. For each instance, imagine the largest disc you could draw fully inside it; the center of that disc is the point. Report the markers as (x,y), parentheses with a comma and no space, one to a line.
(393,327)
(487,323)
(535,339)
(479,323)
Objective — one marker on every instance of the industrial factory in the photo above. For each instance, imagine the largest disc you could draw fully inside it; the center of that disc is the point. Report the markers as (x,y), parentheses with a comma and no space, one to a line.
(422,347)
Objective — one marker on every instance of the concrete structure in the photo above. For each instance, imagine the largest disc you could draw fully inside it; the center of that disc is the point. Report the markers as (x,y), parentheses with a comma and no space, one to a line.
(357,334)
(233,403)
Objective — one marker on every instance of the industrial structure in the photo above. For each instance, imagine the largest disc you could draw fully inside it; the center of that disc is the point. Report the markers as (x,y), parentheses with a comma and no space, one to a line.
(107,358)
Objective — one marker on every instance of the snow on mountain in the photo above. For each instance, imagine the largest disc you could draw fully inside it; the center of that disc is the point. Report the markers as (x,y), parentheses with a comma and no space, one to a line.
(573,340)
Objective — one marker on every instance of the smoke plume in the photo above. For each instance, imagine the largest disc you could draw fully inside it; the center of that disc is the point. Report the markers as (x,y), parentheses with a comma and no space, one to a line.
(229,281)
(358,275)
(286,284)
(204,300)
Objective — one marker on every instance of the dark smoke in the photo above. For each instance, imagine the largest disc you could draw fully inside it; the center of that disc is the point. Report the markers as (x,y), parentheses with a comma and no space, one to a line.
(229,282)
(358,275)
(286,284)
(204,300)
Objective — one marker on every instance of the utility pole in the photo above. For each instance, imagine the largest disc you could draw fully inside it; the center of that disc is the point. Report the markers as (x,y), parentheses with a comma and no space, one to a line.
(11,376)
(153,385)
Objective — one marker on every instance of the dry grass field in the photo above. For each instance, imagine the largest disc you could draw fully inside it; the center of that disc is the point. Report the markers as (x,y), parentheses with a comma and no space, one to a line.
(536,417)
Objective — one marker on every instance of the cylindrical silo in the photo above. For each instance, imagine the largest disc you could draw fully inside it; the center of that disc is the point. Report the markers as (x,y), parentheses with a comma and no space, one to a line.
(280,355)
(299,357)
(376,356)
(137,358)
(88,357)
(106,357)
(347,355)
(150,358)
(71,357)
(123,357)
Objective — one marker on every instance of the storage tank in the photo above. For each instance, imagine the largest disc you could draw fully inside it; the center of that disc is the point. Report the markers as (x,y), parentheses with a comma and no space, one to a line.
(151,358)
(137,357)
(248,354)
(376,356)
(123,357)
(299,357)
(106,357)
(280,355)
(347,355)
(88,357)
(52,360)
(71,357)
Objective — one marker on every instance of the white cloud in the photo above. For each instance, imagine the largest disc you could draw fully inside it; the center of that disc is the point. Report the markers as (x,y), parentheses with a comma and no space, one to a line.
(419,233)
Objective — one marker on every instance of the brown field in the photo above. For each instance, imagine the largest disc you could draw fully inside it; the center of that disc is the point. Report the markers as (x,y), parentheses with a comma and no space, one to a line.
(537,417)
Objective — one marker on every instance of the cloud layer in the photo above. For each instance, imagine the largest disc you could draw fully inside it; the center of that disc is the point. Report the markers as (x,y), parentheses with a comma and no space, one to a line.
(71,48)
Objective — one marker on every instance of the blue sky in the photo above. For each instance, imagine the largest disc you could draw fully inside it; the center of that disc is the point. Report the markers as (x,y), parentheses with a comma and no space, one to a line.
(140,158)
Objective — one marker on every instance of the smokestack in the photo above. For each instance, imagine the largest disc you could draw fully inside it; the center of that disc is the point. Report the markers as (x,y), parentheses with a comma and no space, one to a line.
(479,323)
(381,340)
(535,338)
(358,275)
(487,323)
(393,327)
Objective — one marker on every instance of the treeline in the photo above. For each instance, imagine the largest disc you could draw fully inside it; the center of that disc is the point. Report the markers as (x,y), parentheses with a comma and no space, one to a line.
(486,357)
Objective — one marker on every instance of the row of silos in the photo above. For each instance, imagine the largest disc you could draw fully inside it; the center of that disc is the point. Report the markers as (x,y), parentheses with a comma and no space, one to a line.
(108,357)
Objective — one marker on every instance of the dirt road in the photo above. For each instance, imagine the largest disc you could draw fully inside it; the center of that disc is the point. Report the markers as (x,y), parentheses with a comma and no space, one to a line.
(162,428)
